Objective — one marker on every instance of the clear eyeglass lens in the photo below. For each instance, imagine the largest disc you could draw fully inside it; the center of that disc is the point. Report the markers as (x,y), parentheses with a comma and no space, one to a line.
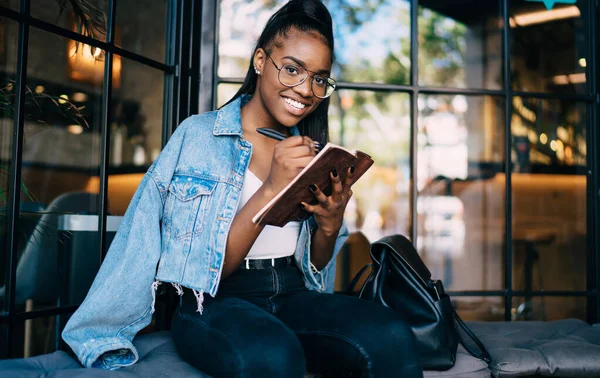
(291,75)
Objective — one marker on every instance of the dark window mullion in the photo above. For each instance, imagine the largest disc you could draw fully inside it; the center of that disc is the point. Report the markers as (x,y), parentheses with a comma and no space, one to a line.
(15,178)
(105,126)
(66,33)
(593,160)
(208,56)
(183,59)
(170,96)
(507,162)
(414,112)
(382,87)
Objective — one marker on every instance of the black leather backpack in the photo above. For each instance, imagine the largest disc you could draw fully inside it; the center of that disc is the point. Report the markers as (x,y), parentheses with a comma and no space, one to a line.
(400,280)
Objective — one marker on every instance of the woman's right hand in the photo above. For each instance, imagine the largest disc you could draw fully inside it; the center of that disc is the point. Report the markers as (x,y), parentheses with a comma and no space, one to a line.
(290,156)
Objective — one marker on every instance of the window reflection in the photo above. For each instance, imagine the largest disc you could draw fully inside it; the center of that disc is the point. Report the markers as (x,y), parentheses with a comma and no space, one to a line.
(141,27)
(372,40)
(549,189)
(91,15)
(550,50)
(459,48)
(378,124)
(136,131)
(548,134)
(460,211)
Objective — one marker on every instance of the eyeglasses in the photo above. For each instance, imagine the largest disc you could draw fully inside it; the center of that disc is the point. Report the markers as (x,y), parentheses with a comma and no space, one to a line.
(292,75)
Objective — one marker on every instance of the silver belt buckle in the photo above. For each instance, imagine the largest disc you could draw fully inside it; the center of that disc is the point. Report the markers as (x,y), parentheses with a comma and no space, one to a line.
(247,264)
(273,262)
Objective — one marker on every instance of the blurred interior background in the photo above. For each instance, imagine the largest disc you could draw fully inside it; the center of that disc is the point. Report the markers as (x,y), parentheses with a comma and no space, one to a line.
(443,94)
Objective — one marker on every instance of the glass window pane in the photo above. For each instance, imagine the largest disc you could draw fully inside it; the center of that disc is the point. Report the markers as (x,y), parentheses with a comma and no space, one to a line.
(13,4)
(372,41)
(88,18)
(378,124)
(8,67)
(549,189)
(550,47)
(33,337)
(240,25)
(489,309)
(549,308)
(461,188)
(460,49)
(61,155)
(225,92)
(136,131)
(141,27)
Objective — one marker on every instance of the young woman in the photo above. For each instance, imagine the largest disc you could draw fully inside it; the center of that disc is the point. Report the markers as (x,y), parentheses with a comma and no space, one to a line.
(270,311)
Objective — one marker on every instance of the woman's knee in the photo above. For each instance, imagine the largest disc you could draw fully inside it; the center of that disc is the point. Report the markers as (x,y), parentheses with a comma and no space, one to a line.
(273,355)
(261,348)
(393,348)
(393,334)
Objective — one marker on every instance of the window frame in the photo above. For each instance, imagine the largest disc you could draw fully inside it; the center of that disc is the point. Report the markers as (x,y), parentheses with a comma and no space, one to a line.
(592,101)
(181,86)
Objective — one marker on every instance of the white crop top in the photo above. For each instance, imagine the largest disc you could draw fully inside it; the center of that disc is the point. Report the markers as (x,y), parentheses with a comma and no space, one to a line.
(273,241)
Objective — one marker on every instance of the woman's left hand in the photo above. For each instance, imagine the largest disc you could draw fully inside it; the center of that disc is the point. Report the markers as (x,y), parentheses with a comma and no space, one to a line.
(329,212)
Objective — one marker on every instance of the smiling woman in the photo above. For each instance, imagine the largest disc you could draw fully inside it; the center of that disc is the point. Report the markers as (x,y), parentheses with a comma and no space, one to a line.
(243,282)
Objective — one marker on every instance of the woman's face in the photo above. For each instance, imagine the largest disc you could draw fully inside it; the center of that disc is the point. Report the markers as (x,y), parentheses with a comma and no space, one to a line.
(289,105)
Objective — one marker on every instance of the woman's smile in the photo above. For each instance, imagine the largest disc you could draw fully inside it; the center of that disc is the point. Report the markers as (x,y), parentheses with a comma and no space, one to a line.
(296,108)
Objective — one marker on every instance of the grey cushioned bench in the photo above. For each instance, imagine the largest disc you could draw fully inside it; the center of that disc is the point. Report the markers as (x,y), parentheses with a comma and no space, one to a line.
(565,348)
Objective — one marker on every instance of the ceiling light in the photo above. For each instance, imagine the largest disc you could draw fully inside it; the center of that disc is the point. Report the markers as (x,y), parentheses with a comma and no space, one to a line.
(79,97)
(543,138)
(63,98)
(582,62)
(569,79)
(544,16)
(577,78)
(40,89)
(75,129)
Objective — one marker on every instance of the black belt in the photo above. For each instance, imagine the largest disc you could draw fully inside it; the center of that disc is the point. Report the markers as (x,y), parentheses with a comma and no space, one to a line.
(280,262)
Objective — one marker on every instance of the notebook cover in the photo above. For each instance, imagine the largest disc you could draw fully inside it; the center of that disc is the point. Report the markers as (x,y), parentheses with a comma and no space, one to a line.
(286,208)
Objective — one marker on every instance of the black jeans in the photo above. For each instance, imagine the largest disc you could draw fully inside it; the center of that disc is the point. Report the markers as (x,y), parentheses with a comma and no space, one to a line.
(265,323)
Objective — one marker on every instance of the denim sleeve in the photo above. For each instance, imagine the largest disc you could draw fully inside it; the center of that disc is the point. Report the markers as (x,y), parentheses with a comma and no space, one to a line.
(119,302)
(326,276)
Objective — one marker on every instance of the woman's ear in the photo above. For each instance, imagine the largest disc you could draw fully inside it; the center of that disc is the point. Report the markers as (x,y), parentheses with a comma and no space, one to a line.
(259,60)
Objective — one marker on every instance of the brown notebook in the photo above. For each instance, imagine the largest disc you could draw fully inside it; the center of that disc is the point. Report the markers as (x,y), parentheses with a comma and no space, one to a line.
(285,206)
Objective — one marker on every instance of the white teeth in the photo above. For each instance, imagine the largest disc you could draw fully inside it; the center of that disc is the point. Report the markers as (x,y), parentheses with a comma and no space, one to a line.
(295,104)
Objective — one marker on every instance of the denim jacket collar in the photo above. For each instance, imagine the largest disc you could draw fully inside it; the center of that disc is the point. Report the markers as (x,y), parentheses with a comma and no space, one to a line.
(229,118)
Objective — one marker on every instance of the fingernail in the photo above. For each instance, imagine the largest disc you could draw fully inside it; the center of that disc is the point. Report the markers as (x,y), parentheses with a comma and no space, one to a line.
(313,187)
(352,169)
(334,172)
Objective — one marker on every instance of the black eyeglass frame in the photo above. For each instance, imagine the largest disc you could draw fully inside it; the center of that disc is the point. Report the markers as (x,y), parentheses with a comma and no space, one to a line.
(328,80)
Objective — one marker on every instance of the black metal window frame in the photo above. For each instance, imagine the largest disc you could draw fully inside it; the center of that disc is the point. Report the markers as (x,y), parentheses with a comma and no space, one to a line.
(179,101)
(592,99)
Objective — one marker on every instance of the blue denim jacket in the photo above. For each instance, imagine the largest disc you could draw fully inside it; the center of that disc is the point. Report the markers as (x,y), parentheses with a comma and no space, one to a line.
(175,231)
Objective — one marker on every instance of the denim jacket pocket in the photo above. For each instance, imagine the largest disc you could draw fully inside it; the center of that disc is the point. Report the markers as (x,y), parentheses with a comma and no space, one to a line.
(187,203)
